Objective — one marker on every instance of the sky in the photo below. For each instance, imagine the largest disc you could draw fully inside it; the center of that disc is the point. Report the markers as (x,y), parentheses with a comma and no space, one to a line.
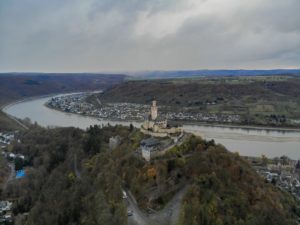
(138,35)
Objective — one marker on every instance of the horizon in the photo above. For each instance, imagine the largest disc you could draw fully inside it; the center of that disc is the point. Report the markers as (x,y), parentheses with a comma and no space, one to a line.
(138,72)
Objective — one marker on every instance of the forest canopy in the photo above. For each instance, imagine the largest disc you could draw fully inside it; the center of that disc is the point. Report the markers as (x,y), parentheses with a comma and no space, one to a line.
(73,177)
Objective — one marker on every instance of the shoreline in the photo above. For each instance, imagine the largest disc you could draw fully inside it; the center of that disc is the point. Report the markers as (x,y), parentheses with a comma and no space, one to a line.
(195,123)
(246,127)
(184,123)
(25,99)
(94,117)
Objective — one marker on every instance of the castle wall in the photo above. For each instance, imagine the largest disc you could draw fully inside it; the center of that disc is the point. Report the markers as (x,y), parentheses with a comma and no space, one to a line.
(154,134)
(159,132)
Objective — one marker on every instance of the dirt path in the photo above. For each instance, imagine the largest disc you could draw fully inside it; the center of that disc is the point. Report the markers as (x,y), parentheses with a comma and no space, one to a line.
(170,214)
(11,175)
(167,216)
(138,217)
(77,172)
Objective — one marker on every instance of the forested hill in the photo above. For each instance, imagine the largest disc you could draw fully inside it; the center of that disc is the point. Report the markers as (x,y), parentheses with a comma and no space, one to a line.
(73,178)
(256,100)
(197,92)
(15,86)
(19,85)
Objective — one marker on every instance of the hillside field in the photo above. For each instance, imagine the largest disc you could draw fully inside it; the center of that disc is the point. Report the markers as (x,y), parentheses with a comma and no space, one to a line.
(259,100)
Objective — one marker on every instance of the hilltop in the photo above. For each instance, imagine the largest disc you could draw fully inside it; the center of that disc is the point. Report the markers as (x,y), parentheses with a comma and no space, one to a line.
(74,178)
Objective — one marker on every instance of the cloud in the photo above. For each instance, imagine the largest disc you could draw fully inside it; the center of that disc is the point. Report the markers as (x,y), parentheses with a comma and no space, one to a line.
(120,35)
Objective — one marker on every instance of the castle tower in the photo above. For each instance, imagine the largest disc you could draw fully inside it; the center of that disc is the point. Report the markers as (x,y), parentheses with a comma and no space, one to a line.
(153,110)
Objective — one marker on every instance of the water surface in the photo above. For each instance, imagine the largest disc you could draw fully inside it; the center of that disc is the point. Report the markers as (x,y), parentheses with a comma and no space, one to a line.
(251,142)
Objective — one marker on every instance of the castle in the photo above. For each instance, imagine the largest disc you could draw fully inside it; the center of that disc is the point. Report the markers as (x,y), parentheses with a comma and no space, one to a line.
(157,126)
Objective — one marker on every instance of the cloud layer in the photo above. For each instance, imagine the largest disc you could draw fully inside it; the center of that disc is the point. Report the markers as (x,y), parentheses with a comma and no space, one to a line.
(122,35)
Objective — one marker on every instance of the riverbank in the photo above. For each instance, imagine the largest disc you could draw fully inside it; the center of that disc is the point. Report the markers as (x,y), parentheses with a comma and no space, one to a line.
(14,119)
(32,98)
(183,122)
(186,122)
(247,127)
(251,142)
(2,107)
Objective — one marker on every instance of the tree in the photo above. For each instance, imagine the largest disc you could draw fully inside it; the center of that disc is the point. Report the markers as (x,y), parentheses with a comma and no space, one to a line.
(131,127)
(264,160)
(18,163)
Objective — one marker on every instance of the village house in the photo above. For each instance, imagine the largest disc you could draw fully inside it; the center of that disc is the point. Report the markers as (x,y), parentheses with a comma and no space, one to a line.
(5,212)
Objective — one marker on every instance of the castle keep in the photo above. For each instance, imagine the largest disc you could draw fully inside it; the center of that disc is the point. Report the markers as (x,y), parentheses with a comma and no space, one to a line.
(158,126)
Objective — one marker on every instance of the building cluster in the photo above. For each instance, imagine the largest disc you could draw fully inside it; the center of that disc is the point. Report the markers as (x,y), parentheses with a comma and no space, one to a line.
(77,103)
(117,111)
(157,127)
(74,103)
(204,117)
(295,121)
(12,156)
(285,176)
(161,136)
(5,212)
(123,111)
(17,162)
(6,138)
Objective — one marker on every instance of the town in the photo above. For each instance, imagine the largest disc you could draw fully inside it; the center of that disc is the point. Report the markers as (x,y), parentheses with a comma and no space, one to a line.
(15,162)
(6,138)
(282,172)
(76,103)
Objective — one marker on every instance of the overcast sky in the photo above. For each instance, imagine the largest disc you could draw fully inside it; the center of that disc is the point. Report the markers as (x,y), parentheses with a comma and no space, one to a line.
(128,35)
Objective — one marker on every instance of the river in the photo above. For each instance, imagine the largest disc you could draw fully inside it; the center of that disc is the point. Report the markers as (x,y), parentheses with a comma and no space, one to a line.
(250,142)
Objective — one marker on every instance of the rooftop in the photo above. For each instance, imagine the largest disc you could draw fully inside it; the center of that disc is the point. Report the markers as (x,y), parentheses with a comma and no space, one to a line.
(150,142)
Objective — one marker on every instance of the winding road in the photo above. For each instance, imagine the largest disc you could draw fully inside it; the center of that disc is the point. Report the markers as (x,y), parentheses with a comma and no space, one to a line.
(167,216)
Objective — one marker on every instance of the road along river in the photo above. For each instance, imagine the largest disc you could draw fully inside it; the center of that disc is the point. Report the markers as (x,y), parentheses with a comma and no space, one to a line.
(250,142)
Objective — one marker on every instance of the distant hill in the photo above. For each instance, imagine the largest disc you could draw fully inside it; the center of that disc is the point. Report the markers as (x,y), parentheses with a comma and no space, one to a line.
(196,73)
(258,100)
(14,86)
